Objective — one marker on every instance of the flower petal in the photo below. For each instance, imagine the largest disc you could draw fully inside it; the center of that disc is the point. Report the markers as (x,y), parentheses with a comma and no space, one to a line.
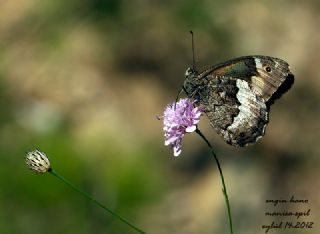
(191,128)
(177,151)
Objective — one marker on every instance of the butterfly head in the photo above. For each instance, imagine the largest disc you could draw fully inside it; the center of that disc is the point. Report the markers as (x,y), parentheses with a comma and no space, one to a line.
(190,82)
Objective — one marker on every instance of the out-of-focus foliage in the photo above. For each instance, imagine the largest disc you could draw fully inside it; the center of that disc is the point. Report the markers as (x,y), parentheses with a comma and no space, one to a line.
(84,80)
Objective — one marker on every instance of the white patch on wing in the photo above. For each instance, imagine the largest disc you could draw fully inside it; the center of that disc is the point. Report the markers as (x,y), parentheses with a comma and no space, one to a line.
(258,63)
(249,109)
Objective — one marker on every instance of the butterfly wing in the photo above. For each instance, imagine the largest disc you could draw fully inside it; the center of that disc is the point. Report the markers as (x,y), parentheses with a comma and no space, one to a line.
(235,96)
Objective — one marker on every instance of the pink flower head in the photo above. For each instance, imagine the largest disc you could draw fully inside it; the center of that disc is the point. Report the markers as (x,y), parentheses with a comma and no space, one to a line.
(178,119)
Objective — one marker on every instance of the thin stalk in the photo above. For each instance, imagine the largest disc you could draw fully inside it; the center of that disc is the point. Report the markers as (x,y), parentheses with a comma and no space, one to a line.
(224,189)
(86,195)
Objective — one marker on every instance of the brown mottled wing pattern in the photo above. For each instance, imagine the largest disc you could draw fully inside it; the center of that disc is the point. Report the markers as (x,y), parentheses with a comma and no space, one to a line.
(235,94)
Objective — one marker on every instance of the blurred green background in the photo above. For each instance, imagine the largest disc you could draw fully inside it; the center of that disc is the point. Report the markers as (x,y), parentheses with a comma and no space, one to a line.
(84,80)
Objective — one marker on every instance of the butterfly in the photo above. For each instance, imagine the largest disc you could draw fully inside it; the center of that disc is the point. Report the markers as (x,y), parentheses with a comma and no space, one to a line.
(236,95)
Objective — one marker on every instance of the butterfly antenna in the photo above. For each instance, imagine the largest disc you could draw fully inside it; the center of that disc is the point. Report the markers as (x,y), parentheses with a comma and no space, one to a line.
(193,62)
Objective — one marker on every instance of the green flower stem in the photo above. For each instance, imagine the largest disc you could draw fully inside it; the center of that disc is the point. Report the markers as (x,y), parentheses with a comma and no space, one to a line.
(224,189)
(53,172)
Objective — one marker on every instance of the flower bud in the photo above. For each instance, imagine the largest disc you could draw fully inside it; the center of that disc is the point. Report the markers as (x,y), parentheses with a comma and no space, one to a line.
(37,161)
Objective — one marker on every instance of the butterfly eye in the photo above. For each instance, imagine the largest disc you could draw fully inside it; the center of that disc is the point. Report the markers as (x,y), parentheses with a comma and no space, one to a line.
(268,69)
